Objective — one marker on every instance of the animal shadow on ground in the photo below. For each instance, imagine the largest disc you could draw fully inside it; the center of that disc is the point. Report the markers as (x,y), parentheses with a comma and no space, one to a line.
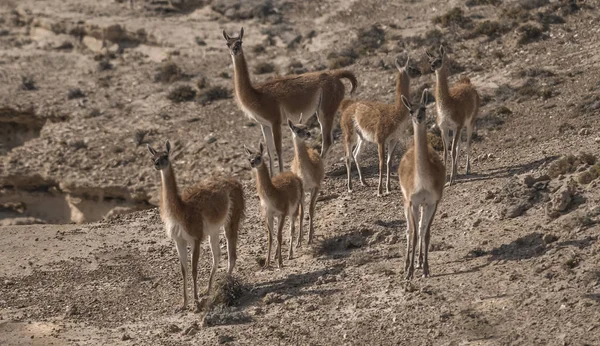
(294,285)
(525,247)
(340,246)
(394,224)
(507,171)
(579,243)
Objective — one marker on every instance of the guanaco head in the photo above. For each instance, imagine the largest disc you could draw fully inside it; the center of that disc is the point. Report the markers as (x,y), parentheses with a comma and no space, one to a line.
(417,114)
(255,159)
(436,62)
(160,159)
(410,70)
(300,130)
(234,43)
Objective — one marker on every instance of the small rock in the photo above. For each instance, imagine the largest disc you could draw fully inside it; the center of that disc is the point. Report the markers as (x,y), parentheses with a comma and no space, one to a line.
(125,337)
(516,210)
(223,339)
(562,199)
(271,298)
(173,328)
(489,194)
(476,222)
(597,139)
(549,238)
(584,132)
(71,310)
(392,239)
(444,215)
(192,329)
(529,180)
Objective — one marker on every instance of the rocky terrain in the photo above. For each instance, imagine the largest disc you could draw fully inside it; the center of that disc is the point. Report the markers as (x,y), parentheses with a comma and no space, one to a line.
(85,85)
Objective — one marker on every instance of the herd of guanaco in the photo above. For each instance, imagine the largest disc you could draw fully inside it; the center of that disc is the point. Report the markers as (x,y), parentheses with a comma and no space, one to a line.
(204,210)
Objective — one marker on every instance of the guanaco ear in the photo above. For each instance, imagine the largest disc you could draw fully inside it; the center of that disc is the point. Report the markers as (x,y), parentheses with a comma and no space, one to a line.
(261,148)
(300,119)
(168,146)
(248,152)
(429,55)
(406,102)
(442,51)
(225,35)
(241,33)
(424,97)
(398,65)
(291,125)
(151,150)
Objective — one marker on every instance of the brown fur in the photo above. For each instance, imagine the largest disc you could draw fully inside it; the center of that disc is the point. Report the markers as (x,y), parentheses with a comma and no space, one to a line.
(275,99)
(280,196)
(216,201)
(307,165)
(460,104)
(422,177)
(377,121)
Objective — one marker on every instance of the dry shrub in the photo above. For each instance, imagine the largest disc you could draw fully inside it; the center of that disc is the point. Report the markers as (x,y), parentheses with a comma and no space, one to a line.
(516,13)
(28,83)
(455,16)
(182,93)
(590,175)
(535,72)
(213,94)
(490,29)
(529,33)
(168,72)
(345,57)
(568,164)
(435,141)
(472,3)
(533,4)
(227,291)
(370,39)
(264,67)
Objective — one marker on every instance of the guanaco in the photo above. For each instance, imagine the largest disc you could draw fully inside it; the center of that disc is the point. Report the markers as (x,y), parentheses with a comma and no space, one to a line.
(271,102)
(457,107)
(279,197)
(422,177)
(201,211)
(377,122)
(308,166)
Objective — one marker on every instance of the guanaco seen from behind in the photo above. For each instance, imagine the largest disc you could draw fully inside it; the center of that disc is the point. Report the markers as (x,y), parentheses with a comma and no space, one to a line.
(280,196)
(377,122)
(457,107)
(271,102)
(308,166)
(200,211)
(422,177)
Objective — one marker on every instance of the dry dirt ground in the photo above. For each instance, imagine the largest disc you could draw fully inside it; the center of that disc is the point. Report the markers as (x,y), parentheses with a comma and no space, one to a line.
(515,247)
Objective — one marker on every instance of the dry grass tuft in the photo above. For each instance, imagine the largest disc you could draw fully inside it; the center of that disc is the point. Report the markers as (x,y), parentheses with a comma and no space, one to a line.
(168,72)
(182,93)
(455,16)
(264,67)
(227,291)
(568,164)
(213,94)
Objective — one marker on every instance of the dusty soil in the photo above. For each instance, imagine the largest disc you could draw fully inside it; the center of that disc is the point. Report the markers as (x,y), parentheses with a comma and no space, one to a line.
(85,260)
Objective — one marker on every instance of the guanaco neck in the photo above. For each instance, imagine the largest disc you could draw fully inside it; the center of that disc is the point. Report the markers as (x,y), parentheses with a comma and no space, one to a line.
(241,78)
(421,151)
(441,85)
(300,150)
(402,88)
(264,185)
(170,202)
